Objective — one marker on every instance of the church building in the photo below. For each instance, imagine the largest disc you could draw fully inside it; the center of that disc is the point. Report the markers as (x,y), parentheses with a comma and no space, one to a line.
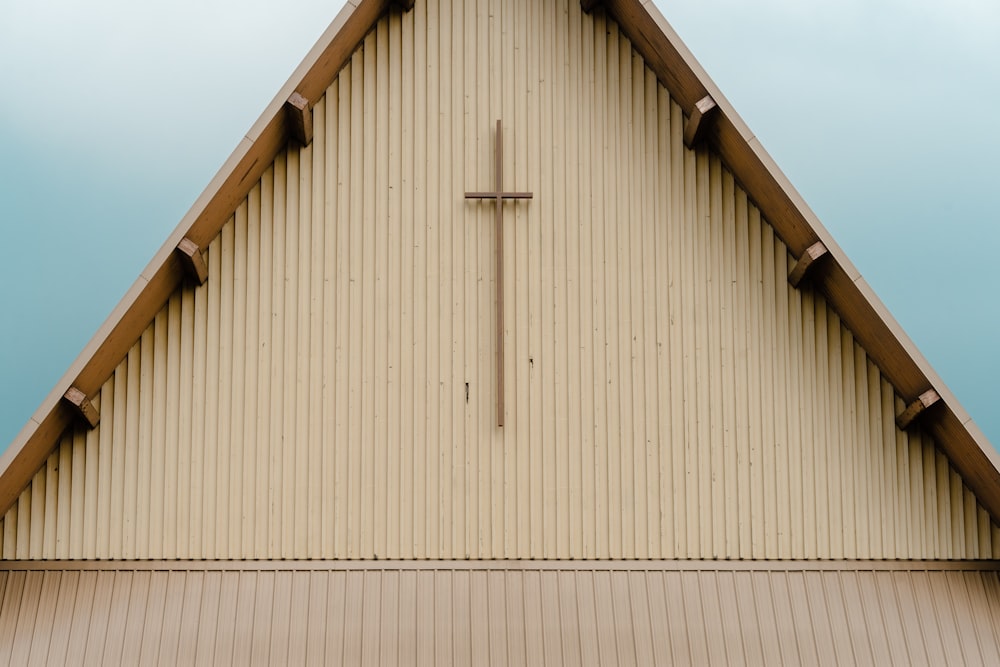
(500,339)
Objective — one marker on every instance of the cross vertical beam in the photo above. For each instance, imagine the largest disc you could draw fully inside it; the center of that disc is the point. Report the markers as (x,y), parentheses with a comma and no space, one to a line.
(498,196)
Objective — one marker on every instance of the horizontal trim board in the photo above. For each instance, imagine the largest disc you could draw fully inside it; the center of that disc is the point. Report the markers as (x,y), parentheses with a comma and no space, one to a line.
(510,565)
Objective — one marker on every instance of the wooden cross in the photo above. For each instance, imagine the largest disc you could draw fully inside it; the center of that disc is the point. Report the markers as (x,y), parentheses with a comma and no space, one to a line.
(498,195)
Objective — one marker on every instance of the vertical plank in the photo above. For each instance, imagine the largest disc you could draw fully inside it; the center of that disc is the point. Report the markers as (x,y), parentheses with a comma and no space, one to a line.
(289,444)
(569,615)
(253,350)
(237,643)
(731,423)
(314,649)
(215,615)
(344,389)
(394,288)
(233,468)
(117,616)
(451,204)
(337,619)
(677,293)
(216,358)
(602,511)
(82,614)
(275,505)
(198,409)
(23,620)
(173,441)
(131,617)
(280,619)
(116,485)
(62,617)
(304,362)
(330,348)
(265,343)
(138,446)
(262,614)
(216,523)
(379,293)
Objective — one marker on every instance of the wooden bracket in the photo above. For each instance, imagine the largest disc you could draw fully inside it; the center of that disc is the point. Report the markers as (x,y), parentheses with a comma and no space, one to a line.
(806,262)
(405,5)
(916,408)
(300,120)
(82,405)
(193,260)
(590,5)
(698,121)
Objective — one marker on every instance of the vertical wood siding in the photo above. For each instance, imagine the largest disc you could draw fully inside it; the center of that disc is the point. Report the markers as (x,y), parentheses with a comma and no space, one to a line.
(328,393)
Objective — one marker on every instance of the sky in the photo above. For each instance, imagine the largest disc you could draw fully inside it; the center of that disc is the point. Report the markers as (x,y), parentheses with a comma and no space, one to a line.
(114,115)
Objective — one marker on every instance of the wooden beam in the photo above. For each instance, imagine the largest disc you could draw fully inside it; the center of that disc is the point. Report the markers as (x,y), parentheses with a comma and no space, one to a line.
(590,5)
(300,120)
(82,405)
(916,408)
(806,262)
(697,122)
(405,5)
(193,260)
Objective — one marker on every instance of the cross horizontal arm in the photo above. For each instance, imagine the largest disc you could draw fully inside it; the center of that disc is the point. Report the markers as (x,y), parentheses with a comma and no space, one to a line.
(501,195)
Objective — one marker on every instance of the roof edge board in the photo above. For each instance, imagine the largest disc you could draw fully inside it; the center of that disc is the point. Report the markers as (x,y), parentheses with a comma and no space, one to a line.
(209,212)
(798,227)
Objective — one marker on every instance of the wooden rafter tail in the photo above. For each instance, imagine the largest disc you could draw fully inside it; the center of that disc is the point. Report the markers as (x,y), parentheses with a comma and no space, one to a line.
(916,408)
(590,5)
(82,406)
(193,260)
(404,5)
(806,262)
(698,121)
(300,120)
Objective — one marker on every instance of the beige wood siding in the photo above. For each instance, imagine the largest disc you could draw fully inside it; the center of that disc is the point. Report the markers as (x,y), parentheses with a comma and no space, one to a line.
(498,613)
(329,392)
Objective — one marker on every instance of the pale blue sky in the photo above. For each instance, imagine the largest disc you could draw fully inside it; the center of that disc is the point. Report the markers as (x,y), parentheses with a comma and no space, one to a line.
(114,116)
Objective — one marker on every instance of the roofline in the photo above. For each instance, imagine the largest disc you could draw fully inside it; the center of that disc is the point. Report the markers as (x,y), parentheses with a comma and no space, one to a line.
(972,455)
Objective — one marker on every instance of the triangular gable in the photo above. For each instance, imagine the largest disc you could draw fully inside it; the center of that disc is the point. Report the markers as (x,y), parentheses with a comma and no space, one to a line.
(795,224)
